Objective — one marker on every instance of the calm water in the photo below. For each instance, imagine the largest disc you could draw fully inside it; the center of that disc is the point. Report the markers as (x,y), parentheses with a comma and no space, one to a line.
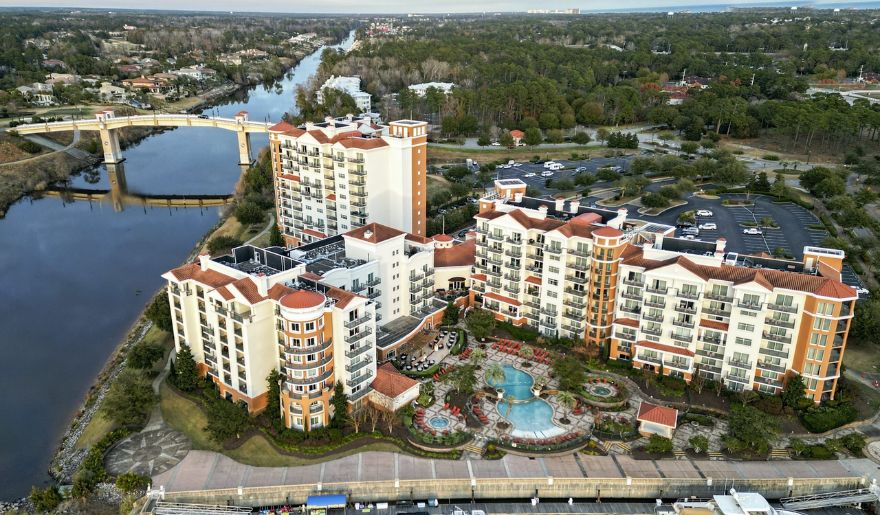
(73,277)
(531,417)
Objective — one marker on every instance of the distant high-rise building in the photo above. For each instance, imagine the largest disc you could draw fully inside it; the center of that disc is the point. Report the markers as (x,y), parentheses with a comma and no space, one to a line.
(337,175)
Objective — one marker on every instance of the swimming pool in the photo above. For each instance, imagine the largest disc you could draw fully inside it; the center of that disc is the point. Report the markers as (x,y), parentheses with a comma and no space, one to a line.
(531,417)
(438,422)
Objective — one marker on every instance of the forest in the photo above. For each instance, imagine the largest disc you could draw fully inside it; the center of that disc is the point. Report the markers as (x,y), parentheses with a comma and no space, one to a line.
(558,73)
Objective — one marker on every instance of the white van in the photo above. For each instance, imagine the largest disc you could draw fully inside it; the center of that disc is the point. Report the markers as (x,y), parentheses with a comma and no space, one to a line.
(548,164)
(556,166)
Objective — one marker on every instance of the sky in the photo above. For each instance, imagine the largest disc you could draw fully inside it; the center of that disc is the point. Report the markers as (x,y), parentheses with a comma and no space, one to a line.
(379,6)
(375,6)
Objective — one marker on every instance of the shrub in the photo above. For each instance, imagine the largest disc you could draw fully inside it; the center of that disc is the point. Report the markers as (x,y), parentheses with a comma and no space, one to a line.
(658,445)
(144,355)
(30,147)
(159,312)
(654,200)
(249,212)
(220,244)
(819,419)
(699,443)
(91,470)
(130,398)
(817,452)
(46,499)
(130,482)
(854,443)
(581,138)
(770,157)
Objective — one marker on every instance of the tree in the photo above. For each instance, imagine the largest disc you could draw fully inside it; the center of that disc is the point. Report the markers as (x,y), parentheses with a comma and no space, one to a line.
(761,182)
(750,429)
(658,445)
(494,374)
(690,147)
(477,356)
(130,482)
(797,446)
(130,398)
(480,323)
(450,316)
(144,354)
(248,212)
(45,500)
(222,244)
(794,391)
(566,400)
(570,372)
(654,200)
(159,312)
(463,378)
(699,443)
(527,353)
(225,419)
(506,139)
(389,420)
(187,373)
(602,134)
(581,138)
(339,401)
(483,140)
(533,137)
(275,238)
(273,396)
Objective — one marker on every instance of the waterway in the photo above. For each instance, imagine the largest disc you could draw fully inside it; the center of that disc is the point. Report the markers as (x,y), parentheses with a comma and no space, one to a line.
(74,276)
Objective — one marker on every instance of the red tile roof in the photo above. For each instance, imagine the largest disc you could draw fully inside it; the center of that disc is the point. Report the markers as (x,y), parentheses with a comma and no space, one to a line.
(608,232)
(248,290)
(342,297)
(278,291)
(516,133)
(657,414)
(316,234)
(629,322)
(331,196)
(378,233)
(290,177)
(502,298)
(532,279)
(818,285)
(416,238)
(302,299)
(208,277)
(391,383)
(281,127)
(479,277)
(664,348)
(225,293)
(442,237)
(363,143)
(462,254)
(714,324)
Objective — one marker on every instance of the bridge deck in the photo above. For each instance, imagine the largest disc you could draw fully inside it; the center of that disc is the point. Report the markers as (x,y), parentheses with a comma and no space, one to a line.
(148,120)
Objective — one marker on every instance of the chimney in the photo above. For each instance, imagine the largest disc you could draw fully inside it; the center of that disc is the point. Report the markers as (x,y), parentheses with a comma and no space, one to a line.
(573,206)
(560,204)
(517,197)
(720,245)
(543,209)
(658,241)
(204,259)
(349,117)
(622,212)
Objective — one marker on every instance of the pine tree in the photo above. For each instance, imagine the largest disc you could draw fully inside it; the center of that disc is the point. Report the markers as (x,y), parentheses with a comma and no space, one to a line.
(273,405)
(275,238)
(187,373)
(340,406)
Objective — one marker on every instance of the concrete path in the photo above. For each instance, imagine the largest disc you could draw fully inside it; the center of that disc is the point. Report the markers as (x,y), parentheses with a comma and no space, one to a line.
(205,470)
(70,150)
(265,229)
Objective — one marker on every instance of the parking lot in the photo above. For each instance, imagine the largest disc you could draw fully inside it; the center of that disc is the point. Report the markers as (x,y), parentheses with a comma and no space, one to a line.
(521,169)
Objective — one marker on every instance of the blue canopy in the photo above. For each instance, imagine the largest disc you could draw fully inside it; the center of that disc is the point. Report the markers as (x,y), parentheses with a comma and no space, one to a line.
(325,501)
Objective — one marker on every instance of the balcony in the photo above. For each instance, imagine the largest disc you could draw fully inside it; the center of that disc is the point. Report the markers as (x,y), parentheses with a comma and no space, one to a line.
(416,277)
(572,328)
(721,297)
(653,303)
(514,253)
(740,364)
(578,253)
(706,353)
(627,309)
(549,312)
(776,337)
(717,312)
(625,336)
(739,380)
(531,316)
(634,282)
(653,317)
(748,305)
(660,290)
(691,310)
(632,295)
(512,277)
(773,352)
(653,332)
(574,304)
(769,366)
(352,338)
(677,365)
(354,367)
(495,237)
(358,380)
(552,250)
(511,289)
(649,359)
(310,380)
(782,307)
(710,339)
(572,315)
(683,323)
(578,267)
(684,338)
(779,322)
(769,382)
(693,295)
(576,279)
(358,321)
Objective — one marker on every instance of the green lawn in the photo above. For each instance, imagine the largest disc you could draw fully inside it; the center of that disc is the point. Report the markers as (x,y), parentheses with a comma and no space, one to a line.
(258,452)
(183,415)
(862,357)
(97,428)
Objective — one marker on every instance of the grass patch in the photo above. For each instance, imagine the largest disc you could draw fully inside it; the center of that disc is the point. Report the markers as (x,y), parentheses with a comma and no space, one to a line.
(444,154)
(258,452)
(861,357)
(98,427)
(185,416)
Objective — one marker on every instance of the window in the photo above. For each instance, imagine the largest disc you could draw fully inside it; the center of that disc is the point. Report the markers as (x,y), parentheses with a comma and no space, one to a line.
(745,327)
(752,299)
(310,327)
(818,339)
(743,341)
(689,289)
(825,308)
(816,354)
(821,324)
(784,300)
(294,327)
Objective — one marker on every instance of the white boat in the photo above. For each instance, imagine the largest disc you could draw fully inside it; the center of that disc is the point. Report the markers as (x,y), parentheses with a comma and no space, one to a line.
(746,503)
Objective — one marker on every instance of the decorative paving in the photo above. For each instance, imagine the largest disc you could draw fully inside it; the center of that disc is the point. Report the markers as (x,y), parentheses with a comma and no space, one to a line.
(148,453)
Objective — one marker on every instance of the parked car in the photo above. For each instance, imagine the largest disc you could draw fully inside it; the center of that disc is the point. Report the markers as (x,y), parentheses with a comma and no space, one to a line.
(556,166)
(704,212)
(753,231)
(546,174)
(710,226)
(530,174)
(203,116)
(548,164)
(863,291)
(496,144)
(581,169)
(691,230)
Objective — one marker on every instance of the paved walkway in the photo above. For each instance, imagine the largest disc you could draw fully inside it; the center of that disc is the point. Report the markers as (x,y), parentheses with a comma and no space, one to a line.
(70,150)
(205,470)
(153,450)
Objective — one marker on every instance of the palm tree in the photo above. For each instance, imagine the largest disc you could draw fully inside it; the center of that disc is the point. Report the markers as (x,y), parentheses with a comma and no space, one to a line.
(477,356)
(495,374)
(526,353)
(566,400)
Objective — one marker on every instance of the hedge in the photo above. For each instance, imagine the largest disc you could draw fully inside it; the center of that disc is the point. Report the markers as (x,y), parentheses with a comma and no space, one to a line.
(824,418)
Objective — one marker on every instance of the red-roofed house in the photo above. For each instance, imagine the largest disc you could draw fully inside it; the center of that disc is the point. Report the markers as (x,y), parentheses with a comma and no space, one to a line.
(517,136)
(393,390)
(656,420)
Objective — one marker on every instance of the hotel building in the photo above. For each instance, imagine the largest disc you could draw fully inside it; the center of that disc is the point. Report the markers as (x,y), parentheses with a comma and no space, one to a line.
(676,306)
(321,313)
(334,176)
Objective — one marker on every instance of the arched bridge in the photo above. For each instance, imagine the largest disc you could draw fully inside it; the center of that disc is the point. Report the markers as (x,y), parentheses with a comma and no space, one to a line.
(107,123)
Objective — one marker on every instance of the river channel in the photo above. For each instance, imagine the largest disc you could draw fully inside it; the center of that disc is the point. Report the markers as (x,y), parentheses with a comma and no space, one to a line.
(75,275)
